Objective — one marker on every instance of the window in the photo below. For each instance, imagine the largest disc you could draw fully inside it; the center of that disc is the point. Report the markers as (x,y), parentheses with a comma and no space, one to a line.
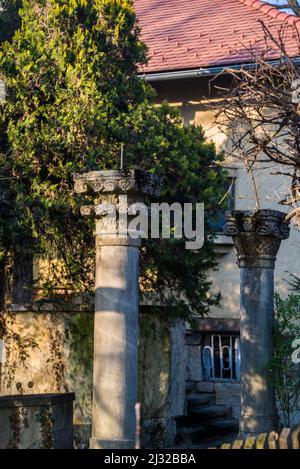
(221,357)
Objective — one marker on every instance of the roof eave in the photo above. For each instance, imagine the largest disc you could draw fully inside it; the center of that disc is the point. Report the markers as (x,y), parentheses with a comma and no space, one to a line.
(202,71)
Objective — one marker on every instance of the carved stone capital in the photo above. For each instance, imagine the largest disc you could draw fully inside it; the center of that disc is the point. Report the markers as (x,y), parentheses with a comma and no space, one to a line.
(115,196)
(257,235)
(117,182)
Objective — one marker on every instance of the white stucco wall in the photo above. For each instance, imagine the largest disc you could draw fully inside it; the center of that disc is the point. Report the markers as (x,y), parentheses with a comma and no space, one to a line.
(226,278)
(194,98)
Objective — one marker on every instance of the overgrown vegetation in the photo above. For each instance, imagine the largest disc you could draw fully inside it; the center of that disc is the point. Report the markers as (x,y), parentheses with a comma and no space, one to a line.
(284,372)
(73,98)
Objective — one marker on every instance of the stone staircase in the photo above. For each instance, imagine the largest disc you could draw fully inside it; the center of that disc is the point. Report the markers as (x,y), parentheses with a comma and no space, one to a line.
(205,421)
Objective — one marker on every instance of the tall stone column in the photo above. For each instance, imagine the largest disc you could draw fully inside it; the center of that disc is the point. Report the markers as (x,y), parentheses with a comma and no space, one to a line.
(116,302)
(257,236)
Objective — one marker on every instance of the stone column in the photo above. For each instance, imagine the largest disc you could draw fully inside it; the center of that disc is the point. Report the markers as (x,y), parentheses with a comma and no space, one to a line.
(257,236)
(116,302)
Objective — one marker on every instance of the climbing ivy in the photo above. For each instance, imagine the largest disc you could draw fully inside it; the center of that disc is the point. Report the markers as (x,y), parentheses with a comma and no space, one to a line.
(46,421)
(17,351)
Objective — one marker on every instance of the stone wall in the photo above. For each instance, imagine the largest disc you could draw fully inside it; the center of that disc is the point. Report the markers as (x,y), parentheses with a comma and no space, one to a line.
(37,421)
(229,394)
(162,374)
(52,352)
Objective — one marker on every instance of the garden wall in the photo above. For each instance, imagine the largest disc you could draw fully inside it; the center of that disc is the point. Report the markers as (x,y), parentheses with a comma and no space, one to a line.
(39,421)
(50,351)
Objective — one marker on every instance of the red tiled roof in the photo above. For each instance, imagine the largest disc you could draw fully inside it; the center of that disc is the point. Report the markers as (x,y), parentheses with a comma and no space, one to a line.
(187,34)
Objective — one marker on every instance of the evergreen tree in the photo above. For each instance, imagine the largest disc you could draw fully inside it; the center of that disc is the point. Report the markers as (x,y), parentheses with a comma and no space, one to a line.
(73,97)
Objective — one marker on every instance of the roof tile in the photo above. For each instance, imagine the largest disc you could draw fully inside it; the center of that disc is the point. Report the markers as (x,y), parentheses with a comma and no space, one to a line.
(183,34)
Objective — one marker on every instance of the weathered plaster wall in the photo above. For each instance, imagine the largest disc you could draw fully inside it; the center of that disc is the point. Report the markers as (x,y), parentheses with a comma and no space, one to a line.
(58,358)
(57,354)
(36,421)
(162,376)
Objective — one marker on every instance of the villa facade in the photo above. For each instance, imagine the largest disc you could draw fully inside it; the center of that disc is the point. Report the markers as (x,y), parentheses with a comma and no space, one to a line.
(190,45)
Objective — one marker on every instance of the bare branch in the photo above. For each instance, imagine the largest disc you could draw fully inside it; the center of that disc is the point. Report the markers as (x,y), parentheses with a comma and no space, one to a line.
(259,113)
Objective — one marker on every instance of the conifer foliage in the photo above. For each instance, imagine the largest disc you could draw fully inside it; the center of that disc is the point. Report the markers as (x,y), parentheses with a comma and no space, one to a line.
(73,98)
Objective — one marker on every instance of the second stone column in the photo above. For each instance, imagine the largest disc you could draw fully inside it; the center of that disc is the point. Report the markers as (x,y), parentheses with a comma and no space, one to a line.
(257,236)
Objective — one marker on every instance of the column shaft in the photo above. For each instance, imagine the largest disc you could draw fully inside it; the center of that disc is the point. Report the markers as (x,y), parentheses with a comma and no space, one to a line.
(115,347)
(257,316)
(257,237)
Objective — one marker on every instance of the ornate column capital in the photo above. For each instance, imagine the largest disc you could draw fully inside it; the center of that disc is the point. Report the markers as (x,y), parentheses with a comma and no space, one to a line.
(257,235)
(133,181)
(114,194)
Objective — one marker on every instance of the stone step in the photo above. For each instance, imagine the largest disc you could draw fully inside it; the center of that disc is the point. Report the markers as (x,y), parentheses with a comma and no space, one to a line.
(205,386)
(210,412)
(222,427)
(202,415)
(198,400)
(198,433)
(190,434)
(213,441)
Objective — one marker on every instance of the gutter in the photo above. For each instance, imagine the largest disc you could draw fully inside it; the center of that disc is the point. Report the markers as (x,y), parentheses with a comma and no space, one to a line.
(203,72)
